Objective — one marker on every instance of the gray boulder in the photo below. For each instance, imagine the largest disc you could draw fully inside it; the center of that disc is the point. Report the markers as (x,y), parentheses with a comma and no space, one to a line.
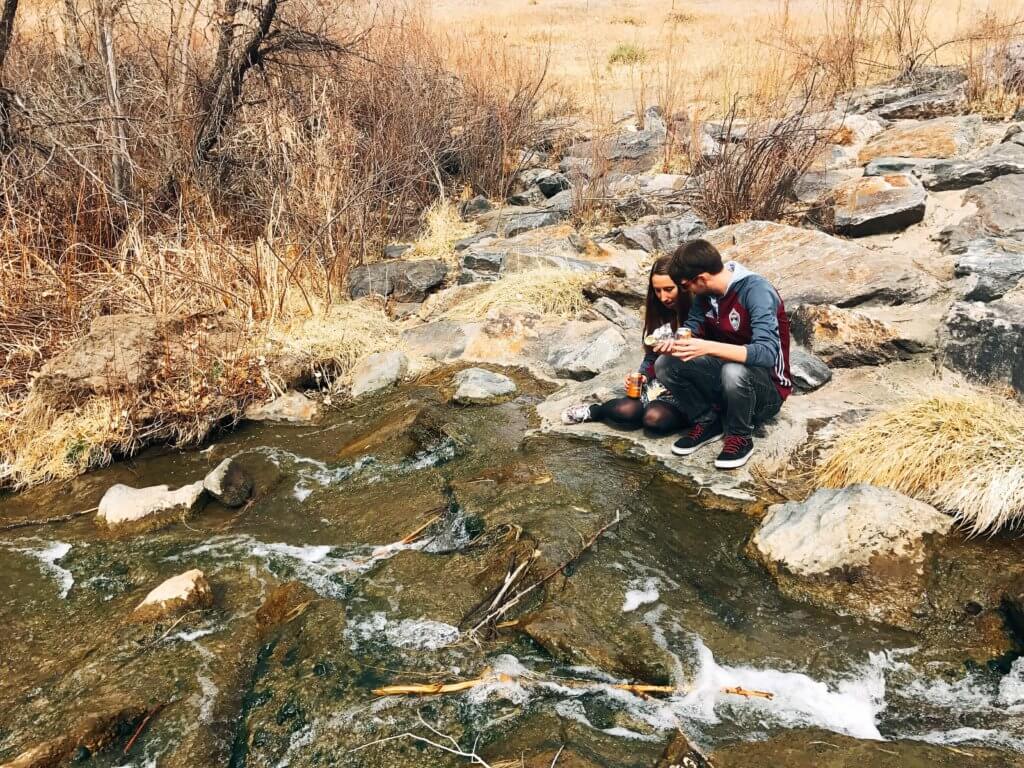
(229,483)
(378,371)
(583,350)
(986,341)
(845,338)
(992,266)
(660,234)
(951,101)
(627,152)
(999,213)
(939,175)
(844,273)
(861,550)
(551,183)
(477,385)
(443,341)
(400,279)
(928,79)
(809,371)
(614,312)
(396,250)
(514,220)
(475,206)
(876,204)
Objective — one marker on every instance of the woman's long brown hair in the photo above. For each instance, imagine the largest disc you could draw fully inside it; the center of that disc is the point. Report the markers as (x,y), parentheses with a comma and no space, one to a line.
(657,314)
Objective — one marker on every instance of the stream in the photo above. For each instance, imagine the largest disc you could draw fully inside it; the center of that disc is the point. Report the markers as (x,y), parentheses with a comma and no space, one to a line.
(318,602)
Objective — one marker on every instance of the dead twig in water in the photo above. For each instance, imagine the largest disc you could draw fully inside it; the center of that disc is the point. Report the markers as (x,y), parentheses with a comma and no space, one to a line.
(456,749)
(138,731)
(498,610)
(48,520)
(640,689)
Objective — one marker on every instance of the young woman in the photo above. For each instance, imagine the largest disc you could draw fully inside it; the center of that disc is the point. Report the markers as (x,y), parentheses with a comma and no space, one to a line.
(666,304)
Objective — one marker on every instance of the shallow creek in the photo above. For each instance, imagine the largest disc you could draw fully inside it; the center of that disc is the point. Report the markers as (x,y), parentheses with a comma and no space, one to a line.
(669,593)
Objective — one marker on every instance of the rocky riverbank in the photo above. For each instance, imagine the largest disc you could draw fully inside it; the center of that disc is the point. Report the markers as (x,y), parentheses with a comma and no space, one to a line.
(902,269)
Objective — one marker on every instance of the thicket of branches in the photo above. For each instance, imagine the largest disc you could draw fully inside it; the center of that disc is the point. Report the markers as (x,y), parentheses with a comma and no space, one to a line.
(163,155)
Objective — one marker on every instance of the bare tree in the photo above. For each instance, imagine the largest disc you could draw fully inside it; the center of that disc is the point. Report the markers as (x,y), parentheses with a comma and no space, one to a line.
(106,11)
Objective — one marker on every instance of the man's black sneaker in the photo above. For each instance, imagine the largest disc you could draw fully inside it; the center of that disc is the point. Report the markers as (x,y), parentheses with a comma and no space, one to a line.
(699,434)
(735,452)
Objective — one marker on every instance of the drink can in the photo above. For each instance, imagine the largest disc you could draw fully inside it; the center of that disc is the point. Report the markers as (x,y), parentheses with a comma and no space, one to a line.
(684,333)
(635,385)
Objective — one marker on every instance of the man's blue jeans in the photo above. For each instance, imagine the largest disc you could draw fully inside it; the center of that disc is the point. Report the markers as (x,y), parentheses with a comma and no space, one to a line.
(706,386)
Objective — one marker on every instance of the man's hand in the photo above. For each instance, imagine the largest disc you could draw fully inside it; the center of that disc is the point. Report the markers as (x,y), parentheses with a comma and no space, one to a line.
(692,348)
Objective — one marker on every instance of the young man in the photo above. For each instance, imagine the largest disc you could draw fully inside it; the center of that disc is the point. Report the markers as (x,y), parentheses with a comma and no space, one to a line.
(733,372)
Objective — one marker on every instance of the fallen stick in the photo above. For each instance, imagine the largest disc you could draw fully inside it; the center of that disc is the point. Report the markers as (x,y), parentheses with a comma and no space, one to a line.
(138,731)
(642,689)
(416,534)
(47,520)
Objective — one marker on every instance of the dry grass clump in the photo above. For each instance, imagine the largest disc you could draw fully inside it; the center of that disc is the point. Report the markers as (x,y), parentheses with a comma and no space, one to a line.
(963,454)
(545,291)
(42,442)
(443,227)
(331,343)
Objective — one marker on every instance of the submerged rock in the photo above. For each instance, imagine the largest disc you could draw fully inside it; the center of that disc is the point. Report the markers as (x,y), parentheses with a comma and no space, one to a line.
(630,651)
(379,371)
(229,483)
(875,204)
(157,505)
(844,338)
(185,592)
(859,549)
(292,406)
(477,385)
(91,735)
(843,273)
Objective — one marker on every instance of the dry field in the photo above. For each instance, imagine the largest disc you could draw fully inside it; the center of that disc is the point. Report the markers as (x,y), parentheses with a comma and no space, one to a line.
(617,54)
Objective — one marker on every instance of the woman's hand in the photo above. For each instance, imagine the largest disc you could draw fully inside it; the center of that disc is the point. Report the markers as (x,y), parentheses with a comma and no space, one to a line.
(664,347)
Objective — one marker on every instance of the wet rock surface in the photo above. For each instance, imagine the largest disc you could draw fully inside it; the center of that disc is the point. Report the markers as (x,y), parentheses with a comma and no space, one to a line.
(229,483)
(379,371)
(477,385)
(124,507)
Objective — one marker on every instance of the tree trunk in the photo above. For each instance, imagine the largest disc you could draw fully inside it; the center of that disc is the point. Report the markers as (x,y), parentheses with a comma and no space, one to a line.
(73,40)
(120,159)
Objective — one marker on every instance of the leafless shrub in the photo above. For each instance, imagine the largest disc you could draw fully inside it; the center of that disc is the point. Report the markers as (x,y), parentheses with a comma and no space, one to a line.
(758,162)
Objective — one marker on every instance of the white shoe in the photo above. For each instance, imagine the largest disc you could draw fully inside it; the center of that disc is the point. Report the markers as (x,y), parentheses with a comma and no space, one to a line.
(577,414)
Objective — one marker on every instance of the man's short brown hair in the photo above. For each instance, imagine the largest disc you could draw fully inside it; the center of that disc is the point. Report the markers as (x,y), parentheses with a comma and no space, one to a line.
(693,258)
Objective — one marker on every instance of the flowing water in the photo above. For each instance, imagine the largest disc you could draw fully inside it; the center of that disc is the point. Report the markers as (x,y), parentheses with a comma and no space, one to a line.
(667,593)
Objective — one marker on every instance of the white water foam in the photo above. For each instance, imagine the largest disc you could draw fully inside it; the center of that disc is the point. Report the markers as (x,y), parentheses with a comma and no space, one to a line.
(207,698)
(315,565)
(643,595)
(510,689)
(1011,689)
(48,555)
(409,634)
(849,707)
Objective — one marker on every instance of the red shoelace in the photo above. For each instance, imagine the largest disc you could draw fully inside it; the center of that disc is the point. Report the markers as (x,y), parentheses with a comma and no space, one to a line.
(733,444)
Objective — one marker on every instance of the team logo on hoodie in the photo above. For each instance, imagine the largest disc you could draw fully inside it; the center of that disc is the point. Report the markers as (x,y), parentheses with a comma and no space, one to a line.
(734,319)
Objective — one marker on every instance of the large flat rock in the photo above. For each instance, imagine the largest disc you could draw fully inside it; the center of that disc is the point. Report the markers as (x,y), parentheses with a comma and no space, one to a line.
(941,137)
(807,266)
(852,394)
(874,204)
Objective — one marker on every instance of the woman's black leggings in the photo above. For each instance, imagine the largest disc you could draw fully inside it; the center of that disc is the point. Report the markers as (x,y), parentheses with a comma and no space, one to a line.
(658,418)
